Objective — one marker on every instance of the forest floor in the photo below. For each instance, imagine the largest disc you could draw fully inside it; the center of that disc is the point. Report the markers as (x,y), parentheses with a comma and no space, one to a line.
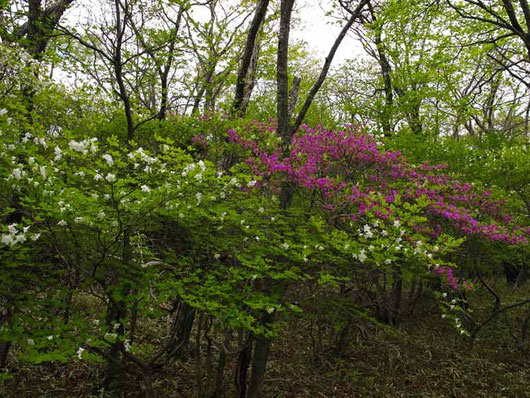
(422,357)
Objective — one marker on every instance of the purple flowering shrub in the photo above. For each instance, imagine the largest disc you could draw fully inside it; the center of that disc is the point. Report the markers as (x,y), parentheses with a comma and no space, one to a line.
(347,167)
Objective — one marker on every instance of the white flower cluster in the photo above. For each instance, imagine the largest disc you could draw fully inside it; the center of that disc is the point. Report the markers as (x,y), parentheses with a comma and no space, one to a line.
(361,256)
(144,157)
(200,167)
(108,158)
(83,146)
(15,236)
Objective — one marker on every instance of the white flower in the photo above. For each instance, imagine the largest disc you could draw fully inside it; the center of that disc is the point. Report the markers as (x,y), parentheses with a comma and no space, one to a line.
(79,219)
(108,159)
(30,342)
(58,153)
(8,240)
(217,256)
(198,195)
(82,174)
(12,229)
(17,173)
(31,160)
(285,246)
(80,352)
(3,112)
(270,310)
(252,183)
(361,256)
(98,177)
(145,188)
(35,237)
(78,146)
(101,215)
(388,261)
(50,337)
(127,345)
(62,223)
(110,177)
(396,224)
(202,165)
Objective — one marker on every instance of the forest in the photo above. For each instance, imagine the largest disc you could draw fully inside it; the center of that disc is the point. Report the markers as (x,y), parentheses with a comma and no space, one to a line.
(198,201)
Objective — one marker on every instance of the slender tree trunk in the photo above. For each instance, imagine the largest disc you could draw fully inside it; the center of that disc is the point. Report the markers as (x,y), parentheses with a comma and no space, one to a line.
(251,79)
(282,96)
(259,361)
(221,364)
(243,363)
(395,295)
(249,55)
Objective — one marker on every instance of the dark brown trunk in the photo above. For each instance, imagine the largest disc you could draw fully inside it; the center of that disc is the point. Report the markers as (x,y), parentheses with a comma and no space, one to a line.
(249,55)
(177,346)
(259,361)
(243,363)
(395,295)
(282,82)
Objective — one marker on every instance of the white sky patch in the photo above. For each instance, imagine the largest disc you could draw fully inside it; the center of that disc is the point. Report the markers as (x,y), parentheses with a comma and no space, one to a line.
(320,32)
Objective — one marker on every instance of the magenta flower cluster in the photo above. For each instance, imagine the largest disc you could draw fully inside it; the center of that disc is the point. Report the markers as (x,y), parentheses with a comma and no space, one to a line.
(450,280)
(354,175)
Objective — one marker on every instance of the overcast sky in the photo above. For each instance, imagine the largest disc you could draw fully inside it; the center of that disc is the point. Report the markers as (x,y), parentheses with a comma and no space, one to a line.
(320,34)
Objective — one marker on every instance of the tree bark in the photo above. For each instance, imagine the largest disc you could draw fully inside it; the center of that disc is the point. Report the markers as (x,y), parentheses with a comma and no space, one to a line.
(249,55)
(282,96)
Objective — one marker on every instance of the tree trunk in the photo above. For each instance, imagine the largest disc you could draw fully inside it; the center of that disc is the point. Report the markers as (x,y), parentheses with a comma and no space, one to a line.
(249,55)
(282,82)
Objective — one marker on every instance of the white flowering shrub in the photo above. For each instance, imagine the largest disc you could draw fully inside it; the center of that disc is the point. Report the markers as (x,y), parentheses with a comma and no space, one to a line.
(136,231)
